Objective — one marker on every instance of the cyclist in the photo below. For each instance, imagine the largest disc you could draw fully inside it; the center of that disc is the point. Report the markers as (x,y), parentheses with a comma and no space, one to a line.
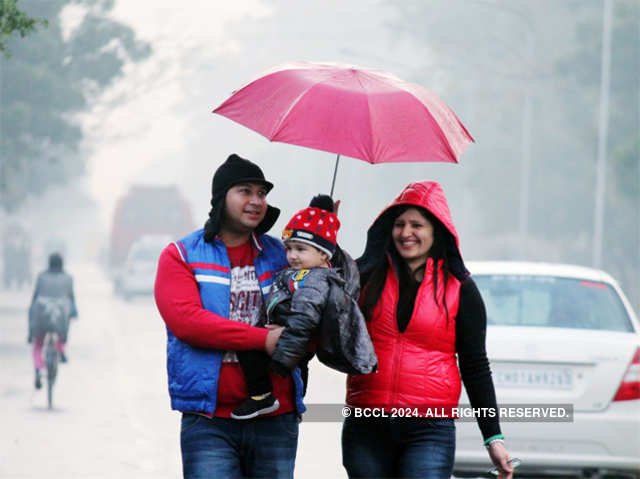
(52,305)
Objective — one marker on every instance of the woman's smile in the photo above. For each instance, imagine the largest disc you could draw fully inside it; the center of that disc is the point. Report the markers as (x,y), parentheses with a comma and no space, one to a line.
(412,235)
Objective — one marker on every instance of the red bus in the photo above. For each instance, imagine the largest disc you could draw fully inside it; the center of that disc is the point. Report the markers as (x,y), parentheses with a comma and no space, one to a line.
(146,210)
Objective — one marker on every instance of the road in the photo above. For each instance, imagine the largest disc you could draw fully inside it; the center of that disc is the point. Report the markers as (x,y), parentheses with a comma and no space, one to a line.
(111,416)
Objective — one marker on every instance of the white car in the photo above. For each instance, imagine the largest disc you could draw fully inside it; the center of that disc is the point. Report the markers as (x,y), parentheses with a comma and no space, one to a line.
(139,272)
(559,334)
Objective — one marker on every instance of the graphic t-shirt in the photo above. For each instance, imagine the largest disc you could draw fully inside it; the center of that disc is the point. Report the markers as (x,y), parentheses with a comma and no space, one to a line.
(246,304)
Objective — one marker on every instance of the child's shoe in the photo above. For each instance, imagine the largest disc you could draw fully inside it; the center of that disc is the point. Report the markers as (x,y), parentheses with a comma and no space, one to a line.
(255,407)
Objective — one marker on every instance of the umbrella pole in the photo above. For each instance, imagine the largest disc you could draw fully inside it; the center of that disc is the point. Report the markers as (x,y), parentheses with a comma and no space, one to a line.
(335,173)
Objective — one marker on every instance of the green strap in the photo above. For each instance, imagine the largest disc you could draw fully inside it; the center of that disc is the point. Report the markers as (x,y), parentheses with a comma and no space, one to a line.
(497,436)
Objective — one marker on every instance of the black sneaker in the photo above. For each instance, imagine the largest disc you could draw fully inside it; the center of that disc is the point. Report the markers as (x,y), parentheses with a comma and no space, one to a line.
(38,379)
(255,407)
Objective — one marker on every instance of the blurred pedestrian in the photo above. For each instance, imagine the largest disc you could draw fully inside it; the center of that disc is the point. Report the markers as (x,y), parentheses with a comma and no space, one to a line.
(52,306)
(422,309)
(210,290)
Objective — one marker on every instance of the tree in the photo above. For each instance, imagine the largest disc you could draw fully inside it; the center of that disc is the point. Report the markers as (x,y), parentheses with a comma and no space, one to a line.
(481,47)
(14,20)
(581,67)
(49,78)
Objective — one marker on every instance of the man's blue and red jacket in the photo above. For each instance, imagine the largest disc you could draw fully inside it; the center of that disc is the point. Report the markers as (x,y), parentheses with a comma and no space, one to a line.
(192,292)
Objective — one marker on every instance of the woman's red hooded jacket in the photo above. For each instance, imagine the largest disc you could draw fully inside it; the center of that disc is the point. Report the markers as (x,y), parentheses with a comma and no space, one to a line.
(416,368)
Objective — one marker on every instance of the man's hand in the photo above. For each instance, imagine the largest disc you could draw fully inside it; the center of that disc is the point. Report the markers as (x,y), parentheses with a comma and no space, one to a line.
(272,338)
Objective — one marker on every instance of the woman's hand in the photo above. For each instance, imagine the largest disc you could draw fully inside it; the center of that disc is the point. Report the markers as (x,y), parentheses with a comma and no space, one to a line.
(499,456)
(272,338)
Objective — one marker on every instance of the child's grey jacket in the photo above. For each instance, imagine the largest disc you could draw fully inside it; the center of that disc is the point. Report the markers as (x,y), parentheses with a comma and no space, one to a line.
(322,303)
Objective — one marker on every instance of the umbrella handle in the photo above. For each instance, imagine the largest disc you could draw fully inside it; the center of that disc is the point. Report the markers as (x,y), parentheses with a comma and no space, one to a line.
(335,173)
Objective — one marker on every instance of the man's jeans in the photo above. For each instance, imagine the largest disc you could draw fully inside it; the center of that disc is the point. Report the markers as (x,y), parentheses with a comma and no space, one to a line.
(229,448)
(398,447)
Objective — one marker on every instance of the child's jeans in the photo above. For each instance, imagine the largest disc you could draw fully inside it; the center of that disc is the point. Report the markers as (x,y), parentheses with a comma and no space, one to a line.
(254,366)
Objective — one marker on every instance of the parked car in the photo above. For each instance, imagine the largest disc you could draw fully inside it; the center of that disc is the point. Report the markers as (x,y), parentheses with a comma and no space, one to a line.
(560,334)
(139,272)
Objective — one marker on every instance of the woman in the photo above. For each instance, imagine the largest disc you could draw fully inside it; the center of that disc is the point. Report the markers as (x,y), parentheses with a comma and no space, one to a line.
(422,309)
(52,305)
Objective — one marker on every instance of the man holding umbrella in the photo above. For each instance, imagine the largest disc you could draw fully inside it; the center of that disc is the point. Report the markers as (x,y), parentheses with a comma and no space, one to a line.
(210,289)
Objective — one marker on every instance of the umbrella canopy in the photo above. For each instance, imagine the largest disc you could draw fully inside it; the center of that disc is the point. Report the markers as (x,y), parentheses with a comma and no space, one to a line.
(366,114)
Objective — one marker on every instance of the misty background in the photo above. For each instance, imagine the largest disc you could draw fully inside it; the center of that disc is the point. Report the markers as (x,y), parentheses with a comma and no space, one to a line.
(119,93)
(116,93)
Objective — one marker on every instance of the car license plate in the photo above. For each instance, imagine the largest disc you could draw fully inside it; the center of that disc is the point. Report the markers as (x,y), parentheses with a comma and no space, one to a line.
(533,378)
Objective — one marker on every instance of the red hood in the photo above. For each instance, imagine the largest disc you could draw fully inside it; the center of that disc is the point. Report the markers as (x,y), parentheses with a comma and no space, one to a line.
(430,196)
(426,194)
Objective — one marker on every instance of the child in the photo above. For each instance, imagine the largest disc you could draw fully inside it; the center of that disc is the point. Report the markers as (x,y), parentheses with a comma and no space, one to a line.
(311,297)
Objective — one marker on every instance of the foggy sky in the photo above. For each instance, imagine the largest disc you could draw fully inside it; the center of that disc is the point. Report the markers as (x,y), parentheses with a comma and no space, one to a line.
(154,124)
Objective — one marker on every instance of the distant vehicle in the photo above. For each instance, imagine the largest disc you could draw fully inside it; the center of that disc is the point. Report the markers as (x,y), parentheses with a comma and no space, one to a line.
(560,334)
(139,273)
(16,255)
(146,210)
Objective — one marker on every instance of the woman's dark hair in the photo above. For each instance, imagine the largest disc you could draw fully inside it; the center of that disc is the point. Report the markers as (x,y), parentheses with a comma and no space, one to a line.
(55,262)
(373,283)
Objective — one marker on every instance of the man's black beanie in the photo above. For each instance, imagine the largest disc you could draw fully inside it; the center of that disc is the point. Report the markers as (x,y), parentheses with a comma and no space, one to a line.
(233,171)
(236,170)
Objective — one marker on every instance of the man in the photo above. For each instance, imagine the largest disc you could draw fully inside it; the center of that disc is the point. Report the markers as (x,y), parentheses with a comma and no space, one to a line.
(210,290)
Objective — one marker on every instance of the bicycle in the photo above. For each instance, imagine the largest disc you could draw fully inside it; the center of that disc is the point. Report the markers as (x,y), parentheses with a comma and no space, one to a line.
(55,311)
(51,361)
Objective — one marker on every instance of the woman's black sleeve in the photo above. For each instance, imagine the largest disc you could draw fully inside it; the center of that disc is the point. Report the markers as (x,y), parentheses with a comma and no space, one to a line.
(471,328)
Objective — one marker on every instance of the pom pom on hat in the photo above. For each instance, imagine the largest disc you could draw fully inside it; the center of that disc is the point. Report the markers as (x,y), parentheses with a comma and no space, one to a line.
(324,202)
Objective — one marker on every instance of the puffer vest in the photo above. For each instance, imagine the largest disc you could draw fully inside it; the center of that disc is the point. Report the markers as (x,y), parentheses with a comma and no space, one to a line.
(416,368)
(194,372)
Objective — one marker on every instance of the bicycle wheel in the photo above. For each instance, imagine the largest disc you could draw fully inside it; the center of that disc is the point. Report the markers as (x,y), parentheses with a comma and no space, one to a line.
(51,356)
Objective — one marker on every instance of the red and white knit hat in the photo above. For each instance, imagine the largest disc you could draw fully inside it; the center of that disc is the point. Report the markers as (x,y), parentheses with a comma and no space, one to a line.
(314,226)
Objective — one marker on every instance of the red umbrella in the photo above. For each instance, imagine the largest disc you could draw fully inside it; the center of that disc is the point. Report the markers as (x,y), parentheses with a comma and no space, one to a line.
(366,114)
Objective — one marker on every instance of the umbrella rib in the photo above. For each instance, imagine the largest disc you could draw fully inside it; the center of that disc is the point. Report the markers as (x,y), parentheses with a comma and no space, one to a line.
(440,129)
(293,104)
(370,120)
(279,125)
